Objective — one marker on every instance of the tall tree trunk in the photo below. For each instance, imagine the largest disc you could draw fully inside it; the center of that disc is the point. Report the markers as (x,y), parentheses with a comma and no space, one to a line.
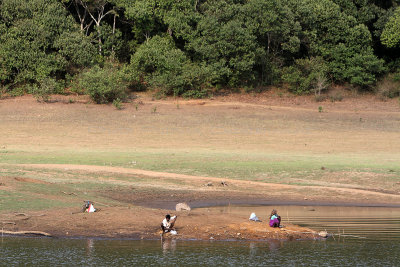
(113,33)
(100,16)
(99,36)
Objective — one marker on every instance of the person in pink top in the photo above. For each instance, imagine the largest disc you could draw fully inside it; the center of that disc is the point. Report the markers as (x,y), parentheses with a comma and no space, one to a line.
(274,219)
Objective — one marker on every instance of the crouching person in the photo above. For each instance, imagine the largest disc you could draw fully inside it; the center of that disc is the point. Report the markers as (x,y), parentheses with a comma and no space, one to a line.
(167,224)
(274,219)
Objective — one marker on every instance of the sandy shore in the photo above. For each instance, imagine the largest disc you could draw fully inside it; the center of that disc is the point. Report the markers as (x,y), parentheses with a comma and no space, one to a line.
(138,213)
(144,223)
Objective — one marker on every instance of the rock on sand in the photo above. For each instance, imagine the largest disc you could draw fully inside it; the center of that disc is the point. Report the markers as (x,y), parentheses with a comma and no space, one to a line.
(182,206)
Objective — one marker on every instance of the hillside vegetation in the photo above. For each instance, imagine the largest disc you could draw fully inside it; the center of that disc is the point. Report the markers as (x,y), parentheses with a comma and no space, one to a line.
(104,48)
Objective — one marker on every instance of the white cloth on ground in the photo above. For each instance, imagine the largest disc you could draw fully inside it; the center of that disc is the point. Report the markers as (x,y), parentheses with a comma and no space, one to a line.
(253,217)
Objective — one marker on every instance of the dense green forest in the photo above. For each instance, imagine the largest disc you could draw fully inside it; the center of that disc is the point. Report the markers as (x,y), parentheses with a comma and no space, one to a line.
(104,48)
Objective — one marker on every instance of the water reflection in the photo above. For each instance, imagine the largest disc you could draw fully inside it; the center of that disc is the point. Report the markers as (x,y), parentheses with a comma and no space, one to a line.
(168,246)
(269,245)
(274,245)
(89,247)
(25,251)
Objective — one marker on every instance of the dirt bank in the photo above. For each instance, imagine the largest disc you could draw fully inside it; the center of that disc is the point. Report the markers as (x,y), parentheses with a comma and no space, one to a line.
(144,223)
(132,208)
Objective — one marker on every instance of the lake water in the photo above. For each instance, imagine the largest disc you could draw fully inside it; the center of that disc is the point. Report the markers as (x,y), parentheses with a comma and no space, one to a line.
(367,241)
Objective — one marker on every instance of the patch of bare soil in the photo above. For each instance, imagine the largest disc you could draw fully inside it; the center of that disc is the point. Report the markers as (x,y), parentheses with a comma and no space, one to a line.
(30,180)
(249,122)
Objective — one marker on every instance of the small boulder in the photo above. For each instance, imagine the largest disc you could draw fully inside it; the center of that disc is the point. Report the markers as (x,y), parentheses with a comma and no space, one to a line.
(182,206)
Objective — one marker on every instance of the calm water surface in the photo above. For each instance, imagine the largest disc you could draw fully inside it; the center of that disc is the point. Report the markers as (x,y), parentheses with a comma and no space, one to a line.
(379,245)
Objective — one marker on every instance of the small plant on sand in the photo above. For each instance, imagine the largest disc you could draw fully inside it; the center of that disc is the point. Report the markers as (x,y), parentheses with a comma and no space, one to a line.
(71,101)
(320,109)
(154,110)
(136,106)
(2,91)
(336,97)
(117,103)
(389,87)
(319,98)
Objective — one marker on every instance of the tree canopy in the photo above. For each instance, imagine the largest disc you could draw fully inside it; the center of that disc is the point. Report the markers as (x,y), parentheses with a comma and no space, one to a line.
(188,47)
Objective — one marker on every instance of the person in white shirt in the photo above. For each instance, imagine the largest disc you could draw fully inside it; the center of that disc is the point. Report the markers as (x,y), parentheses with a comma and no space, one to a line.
(167,224)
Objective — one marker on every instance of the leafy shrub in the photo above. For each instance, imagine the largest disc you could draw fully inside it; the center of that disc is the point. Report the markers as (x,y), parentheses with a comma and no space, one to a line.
(18,90)
(31,35)
(336,97)
(305,76)
(164,67)
(389,87)
(357,68)
(73,83)
(104,85)
(320,98)
(390,36)
(76,48)
(117,103)
(195,94)
(43,91)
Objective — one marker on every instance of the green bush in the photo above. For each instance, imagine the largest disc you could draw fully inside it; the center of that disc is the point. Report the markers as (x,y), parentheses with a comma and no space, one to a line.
(336,96)
(389,87)
(358,68)
(104,85)
(44,90)
(162,66)
(195,94)
(117,103)
(38,39)
(2,91)
(73,84)
(305,76)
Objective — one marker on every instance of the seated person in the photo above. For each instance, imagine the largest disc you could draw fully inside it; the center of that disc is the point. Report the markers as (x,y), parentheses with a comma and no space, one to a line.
(274,219)
(167,224)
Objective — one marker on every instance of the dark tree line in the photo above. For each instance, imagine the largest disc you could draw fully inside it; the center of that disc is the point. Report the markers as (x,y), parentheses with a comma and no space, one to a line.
(191,47)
